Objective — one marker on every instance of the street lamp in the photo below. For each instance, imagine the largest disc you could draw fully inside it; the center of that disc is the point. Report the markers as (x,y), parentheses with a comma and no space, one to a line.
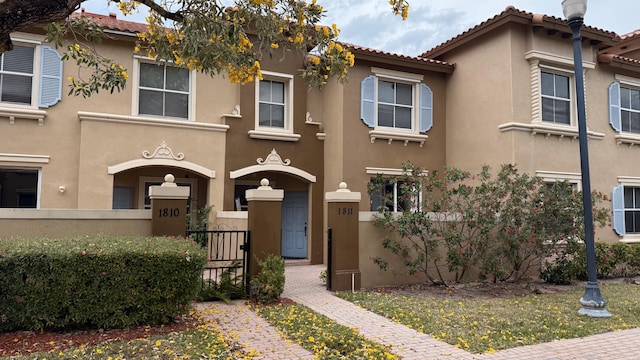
(593,304)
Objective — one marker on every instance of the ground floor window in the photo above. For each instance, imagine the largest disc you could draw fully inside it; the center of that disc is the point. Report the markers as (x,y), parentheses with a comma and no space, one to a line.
(18,188)
(394,196)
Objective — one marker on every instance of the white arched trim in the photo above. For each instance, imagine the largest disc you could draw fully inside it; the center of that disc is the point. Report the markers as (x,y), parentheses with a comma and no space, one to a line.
(272,167)
(132,164)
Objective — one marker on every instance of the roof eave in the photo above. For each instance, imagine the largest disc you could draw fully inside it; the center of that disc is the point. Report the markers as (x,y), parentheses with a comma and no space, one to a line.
(619,62)
(512,15)
(420,64)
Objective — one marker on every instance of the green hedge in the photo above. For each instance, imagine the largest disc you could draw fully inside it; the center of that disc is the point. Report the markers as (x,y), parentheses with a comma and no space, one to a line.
(612,260)
(96,282)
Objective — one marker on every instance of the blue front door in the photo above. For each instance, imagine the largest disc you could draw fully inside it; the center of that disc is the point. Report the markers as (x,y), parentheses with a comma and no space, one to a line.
(294,224)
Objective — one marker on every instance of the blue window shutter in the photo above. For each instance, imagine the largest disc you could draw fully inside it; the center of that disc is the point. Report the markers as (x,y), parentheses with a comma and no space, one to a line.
(614,106)
(426,108)
(617,203)
(50,77)
(368,101)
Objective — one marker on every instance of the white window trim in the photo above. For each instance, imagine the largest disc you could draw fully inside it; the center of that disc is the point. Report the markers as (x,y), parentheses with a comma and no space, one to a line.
(271,133)
(542,61)
(404,78)
(145,179)
(623,137)
(554,176)
(405,135)
(629,181)
(395,172)
(135,85)
(22,110)
(28,167)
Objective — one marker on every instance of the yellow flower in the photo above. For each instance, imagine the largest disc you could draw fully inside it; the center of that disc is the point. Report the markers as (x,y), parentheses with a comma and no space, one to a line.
(70,79)
(274,46)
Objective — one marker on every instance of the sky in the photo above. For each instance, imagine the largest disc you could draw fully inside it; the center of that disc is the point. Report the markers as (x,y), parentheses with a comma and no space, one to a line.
(370,23)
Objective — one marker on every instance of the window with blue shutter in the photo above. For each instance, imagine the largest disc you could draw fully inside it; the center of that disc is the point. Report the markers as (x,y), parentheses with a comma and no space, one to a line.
(614,107)
(617,204)
(50,77)
(368,101)
(426,108)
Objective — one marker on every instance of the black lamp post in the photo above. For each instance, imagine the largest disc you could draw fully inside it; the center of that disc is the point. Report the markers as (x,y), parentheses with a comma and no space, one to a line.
(593,304)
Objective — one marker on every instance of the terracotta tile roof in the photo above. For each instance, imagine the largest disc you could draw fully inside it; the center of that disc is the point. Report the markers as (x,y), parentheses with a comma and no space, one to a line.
(111,22)
(618,60)
(357,49)
(630,35)
(513,14)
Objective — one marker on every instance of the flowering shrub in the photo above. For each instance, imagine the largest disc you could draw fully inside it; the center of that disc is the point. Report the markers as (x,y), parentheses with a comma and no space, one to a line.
(321,335)
(454,220)
(96,282)
(269,283)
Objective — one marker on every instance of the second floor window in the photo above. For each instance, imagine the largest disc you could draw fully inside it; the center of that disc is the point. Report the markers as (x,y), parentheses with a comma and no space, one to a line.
(31,75)
(395,104)
(16,75)
(163,91)
(630,110)
(400,107)
(272,104)
(556,98)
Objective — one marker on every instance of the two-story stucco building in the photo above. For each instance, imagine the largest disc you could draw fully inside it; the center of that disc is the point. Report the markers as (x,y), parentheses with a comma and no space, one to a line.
(501,92)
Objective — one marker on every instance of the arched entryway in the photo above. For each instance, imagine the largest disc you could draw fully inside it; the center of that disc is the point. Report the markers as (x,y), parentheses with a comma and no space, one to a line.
(297,205)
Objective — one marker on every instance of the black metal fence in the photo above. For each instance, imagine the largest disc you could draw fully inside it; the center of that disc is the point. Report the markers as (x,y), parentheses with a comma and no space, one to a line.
(227,264)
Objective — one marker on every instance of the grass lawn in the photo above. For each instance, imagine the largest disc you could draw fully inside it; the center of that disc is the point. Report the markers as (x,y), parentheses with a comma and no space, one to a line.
(489,325)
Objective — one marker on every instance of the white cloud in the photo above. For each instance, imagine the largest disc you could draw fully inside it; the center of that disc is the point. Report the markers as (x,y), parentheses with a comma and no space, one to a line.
(370,23)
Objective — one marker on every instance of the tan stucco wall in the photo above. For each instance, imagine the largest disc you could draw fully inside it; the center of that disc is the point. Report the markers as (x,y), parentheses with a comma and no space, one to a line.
(81,151)
(355,149)
(66,223)
(491,85)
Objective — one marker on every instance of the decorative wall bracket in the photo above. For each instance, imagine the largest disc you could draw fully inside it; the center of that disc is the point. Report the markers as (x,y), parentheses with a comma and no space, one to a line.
(163,152)
(273,158)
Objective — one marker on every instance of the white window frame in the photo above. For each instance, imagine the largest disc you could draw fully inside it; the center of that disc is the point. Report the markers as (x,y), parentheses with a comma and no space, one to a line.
(546,62)
(629,181)
(554,176)
(29,40)
(135,104)
(38,189)
(143,180)
(570,100)
(403,78)
(285,133)
(626,137)
(388,173)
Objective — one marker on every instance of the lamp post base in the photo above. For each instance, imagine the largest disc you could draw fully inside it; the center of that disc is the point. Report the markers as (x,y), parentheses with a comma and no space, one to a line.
(593,304)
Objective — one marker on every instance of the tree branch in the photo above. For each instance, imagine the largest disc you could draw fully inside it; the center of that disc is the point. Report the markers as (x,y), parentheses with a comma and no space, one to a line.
(16,15)
(175,16)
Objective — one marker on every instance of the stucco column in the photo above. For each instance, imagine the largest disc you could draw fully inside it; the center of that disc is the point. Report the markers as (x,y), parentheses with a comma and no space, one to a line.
(265,223)
(342,220)
(168,208)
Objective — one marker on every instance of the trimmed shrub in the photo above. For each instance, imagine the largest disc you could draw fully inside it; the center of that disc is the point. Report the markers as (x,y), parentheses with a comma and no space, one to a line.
(96,282)
(268,285)
(612,260)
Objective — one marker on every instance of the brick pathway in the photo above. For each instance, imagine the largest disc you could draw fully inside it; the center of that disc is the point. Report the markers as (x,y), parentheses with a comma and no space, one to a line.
(304,287)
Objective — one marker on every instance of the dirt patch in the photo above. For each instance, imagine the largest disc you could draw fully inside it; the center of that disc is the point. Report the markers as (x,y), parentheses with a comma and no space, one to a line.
(28,342)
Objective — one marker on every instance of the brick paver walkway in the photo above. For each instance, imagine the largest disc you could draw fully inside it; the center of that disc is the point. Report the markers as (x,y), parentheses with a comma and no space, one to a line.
(304,287)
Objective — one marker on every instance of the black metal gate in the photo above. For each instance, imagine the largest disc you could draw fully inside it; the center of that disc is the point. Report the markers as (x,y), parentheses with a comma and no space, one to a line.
(227,263)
